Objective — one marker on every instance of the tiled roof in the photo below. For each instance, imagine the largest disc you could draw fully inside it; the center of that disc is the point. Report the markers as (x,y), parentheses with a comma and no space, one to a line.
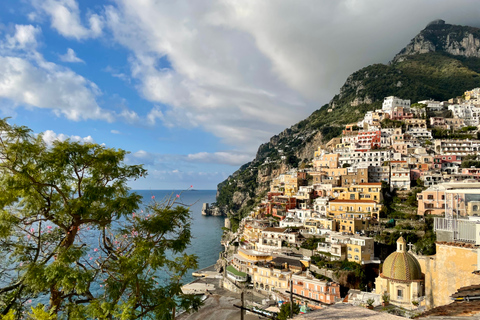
(402,266)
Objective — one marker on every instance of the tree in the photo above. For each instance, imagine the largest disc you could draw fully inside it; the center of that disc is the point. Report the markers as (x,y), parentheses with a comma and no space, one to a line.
(70,234)
(284,313)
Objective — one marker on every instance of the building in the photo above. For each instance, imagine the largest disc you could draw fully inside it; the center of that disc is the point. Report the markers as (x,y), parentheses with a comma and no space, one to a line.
(379,174)
(457,147)
(353,222)
(354,248)
(358,175)
(399,175)
(401,277)
(389,103)
(269,278)
(247,257)
(459,199)
(316,291)
(367,207)
(319,225)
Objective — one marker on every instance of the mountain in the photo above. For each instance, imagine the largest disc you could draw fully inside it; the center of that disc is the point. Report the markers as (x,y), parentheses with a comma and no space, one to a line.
(441,62)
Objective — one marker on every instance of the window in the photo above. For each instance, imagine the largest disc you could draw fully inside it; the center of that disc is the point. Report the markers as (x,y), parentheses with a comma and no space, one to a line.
(294,290)
(333,290)
(356,258)
(349,256)
(356,250)
(400,294)
(349,248)
(302,293)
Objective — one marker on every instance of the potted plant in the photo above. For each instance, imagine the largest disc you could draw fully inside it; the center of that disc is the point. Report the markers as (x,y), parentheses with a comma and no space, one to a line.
(386,299)
(370,303)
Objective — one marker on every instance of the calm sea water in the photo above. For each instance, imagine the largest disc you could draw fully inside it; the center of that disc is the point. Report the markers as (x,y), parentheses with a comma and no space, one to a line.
(206,231)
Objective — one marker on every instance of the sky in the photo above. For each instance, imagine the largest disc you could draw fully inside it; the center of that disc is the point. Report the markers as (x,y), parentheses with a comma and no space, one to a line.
(192,88)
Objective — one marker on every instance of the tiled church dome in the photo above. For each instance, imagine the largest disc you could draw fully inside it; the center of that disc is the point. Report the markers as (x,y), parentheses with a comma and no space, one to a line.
(401,265)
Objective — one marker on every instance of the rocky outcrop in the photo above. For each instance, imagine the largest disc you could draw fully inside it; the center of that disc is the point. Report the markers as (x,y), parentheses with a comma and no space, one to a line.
(439,36)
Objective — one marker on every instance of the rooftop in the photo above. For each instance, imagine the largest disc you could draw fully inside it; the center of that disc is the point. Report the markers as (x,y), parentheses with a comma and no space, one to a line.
(236,272)
(342,311)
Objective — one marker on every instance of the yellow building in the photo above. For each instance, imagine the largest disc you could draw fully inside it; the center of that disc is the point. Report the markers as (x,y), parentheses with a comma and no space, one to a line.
(252,232)
(317,225)
(268,278)
(354,248)
(287,183)
(368,191)
(455,265)
(353,222)
(366,207)
(329,160)
(360,249)
(247,257)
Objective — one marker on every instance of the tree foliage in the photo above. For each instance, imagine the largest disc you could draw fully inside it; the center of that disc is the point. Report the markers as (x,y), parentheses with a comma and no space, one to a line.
(70,237)
(285,311)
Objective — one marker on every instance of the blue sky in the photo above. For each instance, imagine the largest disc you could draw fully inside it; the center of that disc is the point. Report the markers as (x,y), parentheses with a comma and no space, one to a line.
(192,88)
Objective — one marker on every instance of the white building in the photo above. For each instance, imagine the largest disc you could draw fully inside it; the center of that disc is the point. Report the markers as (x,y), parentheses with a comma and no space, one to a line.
(391,102)
(469,113)
(369,158)
(419,133)
(432,105)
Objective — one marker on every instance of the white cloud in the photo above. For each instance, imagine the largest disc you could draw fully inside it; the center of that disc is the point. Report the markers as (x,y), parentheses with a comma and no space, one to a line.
(50,137)
(230,158)
(25,37)
(115,132)
(65,18)
(28,80)
(70,56)
(48,86)
(245,70)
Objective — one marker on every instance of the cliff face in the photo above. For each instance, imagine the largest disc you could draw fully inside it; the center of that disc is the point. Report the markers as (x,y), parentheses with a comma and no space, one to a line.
(441,62)
(441,37)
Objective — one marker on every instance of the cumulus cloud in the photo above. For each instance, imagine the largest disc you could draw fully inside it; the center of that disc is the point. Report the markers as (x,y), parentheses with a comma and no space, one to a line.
(28,80)
(65,18)
(25,36)
(45,85)
(70,56)
(50,137)
(245,70)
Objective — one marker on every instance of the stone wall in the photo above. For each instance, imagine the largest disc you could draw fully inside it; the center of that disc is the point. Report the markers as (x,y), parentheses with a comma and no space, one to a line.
(448,270)
(324,272)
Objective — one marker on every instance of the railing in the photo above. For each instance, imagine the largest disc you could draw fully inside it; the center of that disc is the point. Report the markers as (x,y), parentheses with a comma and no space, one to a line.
(463,230)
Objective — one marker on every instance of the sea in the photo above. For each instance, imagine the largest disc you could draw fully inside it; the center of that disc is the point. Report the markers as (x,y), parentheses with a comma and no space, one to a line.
(206,230)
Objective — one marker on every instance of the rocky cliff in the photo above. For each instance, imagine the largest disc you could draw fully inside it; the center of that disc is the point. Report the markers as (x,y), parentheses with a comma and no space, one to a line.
(439,36)
(441,62)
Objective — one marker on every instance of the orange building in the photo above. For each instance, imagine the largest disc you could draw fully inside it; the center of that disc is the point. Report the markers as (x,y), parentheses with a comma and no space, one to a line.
(314,292)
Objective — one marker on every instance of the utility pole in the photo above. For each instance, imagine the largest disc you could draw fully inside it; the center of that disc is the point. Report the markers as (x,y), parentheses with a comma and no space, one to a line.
(291,298)
(242,311)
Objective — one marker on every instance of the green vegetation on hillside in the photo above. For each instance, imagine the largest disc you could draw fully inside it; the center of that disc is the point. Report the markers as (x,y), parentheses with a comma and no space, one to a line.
(436,75)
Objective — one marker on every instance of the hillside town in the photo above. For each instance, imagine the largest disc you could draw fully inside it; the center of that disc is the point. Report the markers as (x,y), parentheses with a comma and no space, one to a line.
(385,216)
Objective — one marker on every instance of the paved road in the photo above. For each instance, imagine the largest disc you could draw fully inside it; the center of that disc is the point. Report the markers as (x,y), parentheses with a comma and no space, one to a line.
(220,305)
